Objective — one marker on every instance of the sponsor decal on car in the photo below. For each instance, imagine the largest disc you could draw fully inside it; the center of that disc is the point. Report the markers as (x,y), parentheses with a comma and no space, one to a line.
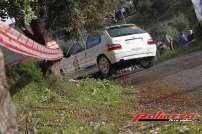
(76,63)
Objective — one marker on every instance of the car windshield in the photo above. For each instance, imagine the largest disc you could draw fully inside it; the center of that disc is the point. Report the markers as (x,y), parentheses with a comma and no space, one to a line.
(124,30)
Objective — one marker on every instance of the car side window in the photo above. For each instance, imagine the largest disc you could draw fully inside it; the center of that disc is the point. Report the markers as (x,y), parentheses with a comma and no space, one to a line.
(92,41)
(76,48)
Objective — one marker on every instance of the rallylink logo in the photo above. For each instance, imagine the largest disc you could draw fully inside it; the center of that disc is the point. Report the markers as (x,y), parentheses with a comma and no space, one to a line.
(160,116)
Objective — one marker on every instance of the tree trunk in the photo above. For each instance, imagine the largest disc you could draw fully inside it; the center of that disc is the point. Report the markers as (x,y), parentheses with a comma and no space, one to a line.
(55,69)
(8,123)
(38,32)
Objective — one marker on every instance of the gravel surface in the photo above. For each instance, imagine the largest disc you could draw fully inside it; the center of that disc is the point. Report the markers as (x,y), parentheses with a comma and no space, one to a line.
(171,86)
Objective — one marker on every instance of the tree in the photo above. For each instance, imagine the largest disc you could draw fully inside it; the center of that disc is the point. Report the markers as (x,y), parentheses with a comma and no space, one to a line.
(136,3)
(145,6)
(71,15)
(7,109)
(38,19)
(159,6)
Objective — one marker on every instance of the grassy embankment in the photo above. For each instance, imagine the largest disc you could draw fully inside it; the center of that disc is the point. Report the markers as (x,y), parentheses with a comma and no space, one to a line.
(88,106)
(61,106)
(180,51)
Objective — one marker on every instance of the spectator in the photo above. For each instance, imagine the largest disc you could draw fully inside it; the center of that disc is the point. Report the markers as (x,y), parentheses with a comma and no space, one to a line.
(185,37)
(162,47)
(120,14)
(182,39)
(123,11)
(190,35)
(170,41)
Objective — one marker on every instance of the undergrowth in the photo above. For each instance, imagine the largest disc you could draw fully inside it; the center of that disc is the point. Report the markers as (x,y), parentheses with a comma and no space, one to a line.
(56,105)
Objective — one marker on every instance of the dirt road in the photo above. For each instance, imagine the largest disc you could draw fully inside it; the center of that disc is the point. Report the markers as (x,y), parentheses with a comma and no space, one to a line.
(171,86)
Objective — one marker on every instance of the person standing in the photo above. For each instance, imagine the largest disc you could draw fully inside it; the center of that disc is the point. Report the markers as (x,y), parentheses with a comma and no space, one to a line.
(191,35)
(170,41)
(123,13)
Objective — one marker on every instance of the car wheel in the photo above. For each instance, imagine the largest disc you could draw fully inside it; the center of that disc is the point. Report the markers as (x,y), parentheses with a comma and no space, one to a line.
(104,66)
(147,63)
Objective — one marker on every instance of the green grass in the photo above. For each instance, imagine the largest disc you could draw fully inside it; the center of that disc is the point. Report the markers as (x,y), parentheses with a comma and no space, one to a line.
(174,128)
(192,47)
(181,129)
(89,106)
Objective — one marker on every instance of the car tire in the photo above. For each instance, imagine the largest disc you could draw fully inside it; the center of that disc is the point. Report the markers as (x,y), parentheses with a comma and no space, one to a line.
(104,67)
(147,63)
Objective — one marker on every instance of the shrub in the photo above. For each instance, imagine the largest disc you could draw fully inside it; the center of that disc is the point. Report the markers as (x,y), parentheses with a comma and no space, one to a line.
(21,75)
(159,6)
(175,25)
(145,6)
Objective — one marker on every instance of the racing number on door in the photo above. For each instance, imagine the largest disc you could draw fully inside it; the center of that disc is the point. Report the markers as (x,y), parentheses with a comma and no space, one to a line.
(76,63)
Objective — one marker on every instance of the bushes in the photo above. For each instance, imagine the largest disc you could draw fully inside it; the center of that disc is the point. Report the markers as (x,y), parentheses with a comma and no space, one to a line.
(145,6)
(178,23)
(161,17)
(21,75)
(152,7)
(159,6)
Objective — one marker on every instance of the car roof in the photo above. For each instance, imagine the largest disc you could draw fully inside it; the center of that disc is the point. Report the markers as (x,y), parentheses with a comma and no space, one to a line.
(119,26)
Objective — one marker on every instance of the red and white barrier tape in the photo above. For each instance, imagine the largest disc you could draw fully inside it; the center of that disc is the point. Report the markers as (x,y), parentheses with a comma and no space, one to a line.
(19,43)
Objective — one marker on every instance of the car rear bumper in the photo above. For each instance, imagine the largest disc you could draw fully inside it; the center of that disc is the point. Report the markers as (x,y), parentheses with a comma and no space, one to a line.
(125,56)
(128,63)
(143,55)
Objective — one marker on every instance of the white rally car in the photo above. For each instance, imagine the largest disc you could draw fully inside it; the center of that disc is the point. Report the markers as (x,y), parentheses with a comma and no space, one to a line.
(118,47)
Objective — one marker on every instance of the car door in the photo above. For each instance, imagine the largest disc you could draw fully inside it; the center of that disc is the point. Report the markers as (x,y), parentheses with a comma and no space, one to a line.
(92,51)
(73,65)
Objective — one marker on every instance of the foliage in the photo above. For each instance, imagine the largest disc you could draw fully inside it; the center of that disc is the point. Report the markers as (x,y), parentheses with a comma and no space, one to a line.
(19,9)
(159,6)
(161,17)
(2,8)
(27,12)
(71,15)
(175,25)
(21,75)
(145,6)
(152,8)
